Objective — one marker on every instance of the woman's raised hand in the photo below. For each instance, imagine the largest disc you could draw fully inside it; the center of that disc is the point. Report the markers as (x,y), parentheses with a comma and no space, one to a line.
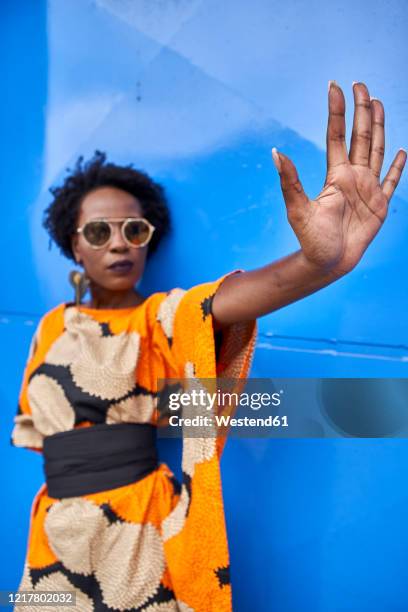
(336,228)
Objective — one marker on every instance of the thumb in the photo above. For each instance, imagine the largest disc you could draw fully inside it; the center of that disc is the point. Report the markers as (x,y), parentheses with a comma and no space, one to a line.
(292,190)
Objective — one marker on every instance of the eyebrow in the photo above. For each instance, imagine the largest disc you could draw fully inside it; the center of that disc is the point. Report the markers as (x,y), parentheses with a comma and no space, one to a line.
(104,218)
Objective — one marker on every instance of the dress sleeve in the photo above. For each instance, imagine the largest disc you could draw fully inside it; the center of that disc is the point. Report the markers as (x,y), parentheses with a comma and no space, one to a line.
(24,433)
(198,350)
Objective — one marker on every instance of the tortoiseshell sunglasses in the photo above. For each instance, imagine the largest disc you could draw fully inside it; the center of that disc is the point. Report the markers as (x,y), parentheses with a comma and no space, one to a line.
(136,231)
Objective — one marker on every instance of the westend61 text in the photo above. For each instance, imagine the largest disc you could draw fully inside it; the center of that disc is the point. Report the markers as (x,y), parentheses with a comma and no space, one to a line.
(227,421)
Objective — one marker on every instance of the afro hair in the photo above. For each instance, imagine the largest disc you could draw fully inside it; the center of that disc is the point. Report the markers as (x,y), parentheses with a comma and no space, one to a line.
(60,218)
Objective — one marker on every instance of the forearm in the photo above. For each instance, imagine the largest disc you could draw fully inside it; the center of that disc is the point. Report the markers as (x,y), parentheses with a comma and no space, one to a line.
(249,295)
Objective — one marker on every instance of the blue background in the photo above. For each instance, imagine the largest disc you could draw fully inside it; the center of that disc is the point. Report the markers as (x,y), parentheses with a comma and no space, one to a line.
(196,93)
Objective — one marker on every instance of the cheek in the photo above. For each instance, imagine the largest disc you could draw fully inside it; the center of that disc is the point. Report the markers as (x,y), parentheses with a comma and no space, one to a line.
(92,260)
(142,256)
(140,262)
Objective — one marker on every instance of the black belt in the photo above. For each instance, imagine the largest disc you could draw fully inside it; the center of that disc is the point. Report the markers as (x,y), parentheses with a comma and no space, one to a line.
(99,457)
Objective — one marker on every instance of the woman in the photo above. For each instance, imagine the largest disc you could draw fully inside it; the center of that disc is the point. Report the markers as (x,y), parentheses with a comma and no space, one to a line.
(111,524)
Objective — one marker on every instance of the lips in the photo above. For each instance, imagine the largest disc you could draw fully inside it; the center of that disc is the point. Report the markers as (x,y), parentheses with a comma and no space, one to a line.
(121,264)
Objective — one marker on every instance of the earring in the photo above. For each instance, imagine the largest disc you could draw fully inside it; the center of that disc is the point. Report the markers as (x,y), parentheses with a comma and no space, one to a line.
(80,282)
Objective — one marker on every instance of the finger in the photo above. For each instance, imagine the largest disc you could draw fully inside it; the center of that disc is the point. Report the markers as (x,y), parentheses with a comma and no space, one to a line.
(361,135)
(292,190)
(377,136)
(393,175)
(336,127)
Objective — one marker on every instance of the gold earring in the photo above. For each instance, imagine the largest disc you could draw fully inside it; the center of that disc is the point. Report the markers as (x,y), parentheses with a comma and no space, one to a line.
(80,282)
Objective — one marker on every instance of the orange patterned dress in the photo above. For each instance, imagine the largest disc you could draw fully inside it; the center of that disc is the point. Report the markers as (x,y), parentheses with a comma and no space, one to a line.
(156,545)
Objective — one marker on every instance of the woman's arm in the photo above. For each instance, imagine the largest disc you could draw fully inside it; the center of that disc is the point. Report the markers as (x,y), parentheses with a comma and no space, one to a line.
(335,229)
(249,295)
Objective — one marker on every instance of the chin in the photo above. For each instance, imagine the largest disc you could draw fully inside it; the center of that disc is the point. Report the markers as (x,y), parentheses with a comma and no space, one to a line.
(119,284)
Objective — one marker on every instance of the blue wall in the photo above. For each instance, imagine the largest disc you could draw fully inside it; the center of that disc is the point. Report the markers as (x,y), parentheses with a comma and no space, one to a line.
(196,93)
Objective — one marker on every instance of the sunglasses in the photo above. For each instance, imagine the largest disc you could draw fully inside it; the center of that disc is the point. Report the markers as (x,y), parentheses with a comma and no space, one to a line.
(136,232)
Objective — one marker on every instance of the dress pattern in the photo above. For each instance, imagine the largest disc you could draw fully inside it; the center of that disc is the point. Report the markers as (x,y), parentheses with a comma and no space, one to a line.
(157,545)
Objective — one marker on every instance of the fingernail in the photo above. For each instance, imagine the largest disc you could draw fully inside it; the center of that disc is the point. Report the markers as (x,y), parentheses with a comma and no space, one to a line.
(354,83)
(276,159)
(332,84)
(371,98)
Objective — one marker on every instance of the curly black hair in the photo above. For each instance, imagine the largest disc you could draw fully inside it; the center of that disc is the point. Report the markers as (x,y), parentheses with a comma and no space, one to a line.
(60,218)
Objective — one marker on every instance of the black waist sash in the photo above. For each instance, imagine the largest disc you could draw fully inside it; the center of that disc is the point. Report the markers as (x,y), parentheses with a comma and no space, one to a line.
(100,457)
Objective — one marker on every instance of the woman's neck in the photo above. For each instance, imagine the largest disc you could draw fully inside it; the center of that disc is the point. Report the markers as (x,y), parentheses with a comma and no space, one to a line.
(102,298)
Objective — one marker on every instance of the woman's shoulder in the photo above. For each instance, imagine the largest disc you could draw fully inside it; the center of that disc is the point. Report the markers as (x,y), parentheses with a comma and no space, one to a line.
(51,322)
(48,316)
(162,306)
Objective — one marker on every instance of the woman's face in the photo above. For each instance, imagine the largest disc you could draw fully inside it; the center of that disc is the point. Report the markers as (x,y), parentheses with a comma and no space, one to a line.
(110,202)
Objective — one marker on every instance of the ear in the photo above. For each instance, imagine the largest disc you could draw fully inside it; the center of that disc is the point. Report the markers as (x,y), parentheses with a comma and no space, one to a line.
(74,245)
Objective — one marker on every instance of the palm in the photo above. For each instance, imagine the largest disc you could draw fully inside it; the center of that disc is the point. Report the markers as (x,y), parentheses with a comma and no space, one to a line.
(336,228)
(344,218)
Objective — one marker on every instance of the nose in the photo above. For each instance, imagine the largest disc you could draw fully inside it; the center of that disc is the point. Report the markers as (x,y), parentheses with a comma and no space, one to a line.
(117,243)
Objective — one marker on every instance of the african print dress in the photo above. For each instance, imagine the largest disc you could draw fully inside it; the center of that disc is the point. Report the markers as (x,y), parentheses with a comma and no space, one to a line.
(158,544)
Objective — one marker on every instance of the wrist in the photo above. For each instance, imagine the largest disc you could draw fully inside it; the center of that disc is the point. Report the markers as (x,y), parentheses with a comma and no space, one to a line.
(317,272)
